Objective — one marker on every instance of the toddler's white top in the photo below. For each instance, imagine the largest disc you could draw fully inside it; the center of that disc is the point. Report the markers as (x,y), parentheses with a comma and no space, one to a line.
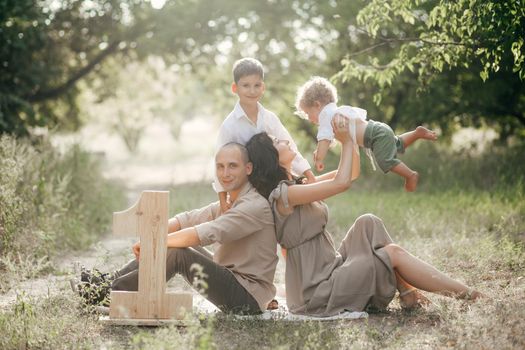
(325,131)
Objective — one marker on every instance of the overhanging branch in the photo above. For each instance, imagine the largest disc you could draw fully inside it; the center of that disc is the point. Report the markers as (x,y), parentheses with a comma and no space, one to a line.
(385,41)
(59,90)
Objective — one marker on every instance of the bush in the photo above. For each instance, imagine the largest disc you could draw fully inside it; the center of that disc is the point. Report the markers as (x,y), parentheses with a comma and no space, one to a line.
(440,168)
(51,201)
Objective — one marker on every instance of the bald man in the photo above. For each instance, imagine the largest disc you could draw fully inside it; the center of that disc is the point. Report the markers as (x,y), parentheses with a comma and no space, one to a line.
(239,275)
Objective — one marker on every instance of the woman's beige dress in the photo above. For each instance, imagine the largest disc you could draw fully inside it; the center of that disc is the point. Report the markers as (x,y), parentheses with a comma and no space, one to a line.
(322,281)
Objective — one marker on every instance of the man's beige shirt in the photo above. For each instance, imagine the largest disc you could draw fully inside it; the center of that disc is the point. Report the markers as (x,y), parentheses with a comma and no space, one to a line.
(245,234)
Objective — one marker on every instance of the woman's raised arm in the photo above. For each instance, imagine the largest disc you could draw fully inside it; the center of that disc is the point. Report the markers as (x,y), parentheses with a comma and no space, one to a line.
(302,194)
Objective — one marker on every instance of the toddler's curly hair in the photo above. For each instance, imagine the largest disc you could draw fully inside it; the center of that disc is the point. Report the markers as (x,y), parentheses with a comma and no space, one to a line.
(316,89)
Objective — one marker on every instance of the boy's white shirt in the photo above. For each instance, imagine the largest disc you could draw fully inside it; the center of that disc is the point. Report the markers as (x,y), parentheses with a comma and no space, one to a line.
(237,127)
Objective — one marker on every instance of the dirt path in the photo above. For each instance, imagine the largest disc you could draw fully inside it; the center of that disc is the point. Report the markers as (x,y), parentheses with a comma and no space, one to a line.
(110,251)
(107,255)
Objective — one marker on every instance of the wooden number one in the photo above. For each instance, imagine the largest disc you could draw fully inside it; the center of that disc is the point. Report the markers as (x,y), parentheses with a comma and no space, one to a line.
(148,219)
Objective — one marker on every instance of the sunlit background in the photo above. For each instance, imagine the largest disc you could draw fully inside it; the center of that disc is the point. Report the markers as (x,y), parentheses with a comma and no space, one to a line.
(102,99)
(146,84)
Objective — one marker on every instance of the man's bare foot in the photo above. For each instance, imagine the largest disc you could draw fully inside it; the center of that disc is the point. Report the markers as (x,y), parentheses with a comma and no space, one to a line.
(413,299)
(424,133)
(411,182)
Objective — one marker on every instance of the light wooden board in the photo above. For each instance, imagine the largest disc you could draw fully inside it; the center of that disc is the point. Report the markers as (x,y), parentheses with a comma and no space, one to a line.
(148,218)
(145,322)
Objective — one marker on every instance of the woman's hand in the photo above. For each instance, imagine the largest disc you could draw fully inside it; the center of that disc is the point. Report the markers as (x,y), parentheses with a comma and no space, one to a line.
(136,250)
(341,130)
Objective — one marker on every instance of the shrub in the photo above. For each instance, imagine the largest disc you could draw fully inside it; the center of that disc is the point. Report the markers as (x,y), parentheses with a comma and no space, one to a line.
(441,168)
(51,201)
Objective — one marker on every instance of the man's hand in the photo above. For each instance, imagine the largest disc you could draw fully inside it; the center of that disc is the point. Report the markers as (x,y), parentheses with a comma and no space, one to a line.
(223,201)
(136,250)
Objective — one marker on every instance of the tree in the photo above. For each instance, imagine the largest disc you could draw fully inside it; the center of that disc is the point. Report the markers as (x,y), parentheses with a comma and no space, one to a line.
(409,55)
(50,46)
(466,55)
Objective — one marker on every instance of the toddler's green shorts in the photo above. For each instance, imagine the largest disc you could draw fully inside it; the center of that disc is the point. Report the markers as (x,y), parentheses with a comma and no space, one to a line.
(385,145)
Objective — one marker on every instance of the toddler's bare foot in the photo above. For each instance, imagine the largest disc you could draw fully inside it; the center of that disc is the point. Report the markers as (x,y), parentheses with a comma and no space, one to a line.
(411,182)
(424,133)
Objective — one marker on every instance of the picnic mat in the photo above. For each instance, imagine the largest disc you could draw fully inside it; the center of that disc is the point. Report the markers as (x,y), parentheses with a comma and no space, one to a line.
(284,315)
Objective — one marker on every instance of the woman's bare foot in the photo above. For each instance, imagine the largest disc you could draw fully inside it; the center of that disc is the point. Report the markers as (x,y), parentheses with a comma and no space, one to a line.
(472,294)
(411,181)
(413,299)
(424,133)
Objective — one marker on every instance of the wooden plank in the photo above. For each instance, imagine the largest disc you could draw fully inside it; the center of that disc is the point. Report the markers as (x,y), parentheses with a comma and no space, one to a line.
(176,305)
(149,219)
(126,222)
(123,305)
(146,322)
(173,305)
(153,230)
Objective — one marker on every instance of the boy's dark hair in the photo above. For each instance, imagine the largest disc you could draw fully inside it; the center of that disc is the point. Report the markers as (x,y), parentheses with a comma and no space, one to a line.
(247,66)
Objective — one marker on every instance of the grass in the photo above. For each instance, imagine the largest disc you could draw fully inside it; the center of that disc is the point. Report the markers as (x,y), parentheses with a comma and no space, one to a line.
(473,230)
(51,202)
(473,236)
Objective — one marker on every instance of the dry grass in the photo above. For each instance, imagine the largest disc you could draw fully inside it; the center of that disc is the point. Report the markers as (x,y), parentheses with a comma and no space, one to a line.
(473,229)
(474,236)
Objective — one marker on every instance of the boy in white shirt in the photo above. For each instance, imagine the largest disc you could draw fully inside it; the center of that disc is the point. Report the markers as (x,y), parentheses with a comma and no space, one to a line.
(249,117)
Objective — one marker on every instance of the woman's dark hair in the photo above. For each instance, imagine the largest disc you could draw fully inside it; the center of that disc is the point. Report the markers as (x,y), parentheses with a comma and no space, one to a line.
(267,172)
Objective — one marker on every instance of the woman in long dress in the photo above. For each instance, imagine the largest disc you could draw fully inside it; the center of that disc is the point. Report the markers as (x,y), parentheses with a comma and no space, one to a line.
(367,268)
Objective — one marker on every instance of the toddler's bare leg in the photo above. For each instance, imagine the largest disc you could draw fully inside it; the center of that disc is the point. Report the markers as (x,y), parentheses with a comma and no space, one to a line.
(425,276)
(411,176)
(419,133)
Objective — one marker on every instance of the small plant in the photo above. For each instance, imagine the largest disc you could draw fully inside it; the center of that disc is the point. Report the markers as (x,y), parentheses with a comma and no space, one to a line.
(199,278)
